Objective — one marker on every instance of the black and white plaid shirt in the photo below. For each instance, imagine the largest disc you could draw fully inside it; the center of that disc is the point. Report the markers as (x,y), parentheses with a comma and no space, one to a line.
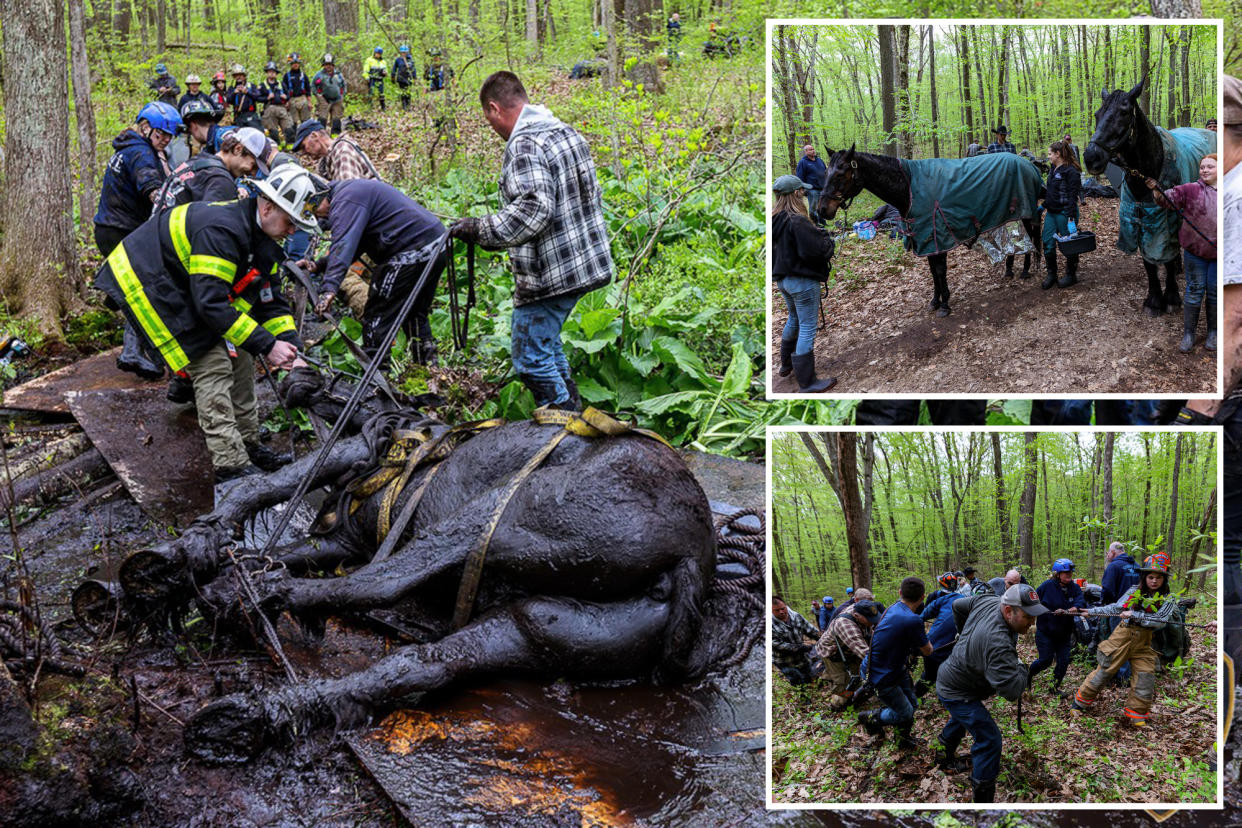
(553,215)
(1002,146)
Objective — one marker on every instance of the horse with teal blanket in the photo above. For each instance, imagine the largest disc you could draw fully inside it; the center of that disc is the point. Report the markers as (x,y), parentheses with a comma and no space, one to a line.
(943,202)
(1125,136)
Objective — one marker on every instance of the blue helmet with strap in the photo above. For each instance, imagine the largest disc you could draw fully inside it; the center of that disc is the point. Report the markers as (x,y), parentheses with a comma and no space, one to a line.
(405,50)
(161,116)
(1062,565)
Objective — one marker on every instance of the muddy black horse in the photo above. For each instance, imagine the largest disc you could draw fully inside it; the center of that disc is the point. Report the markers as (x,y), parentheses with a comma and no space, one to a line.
(1126,137)
(953,201)
(586,556)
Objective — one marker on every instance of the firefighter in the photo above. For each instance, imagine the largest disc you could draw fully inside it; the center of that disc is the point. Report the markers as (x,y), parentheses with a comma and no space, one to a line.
(276,118)
(297,87)
(403,72)
(244,98)
(374,70)
(201,281)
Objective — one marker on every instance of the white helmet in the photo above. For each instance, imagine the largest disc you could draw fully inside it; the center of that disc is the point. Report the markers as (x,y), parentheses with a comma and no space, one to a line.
(295,191)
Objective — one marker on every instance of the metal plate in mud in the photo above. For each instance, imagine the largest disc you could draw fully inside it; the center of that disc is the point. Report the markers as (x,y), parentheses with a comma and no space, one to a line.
(97,373)
(156,449)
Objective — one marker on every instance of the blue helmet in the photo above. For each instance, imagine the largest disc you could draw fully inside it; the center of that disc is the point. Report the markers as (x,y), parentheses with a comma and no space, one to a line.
(828,599)
(161,116)
(849,590)
(404,50)
(161,69)
(379,50)
(1062,565)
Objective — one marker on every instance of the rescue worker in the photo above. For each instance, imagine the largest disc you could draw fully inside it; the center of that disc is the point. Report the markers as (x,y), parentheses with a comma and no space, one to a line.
(1054,634)
(842,648)
(437,75)
(202,280)
(946,583)
(898,636)
(298,87)
(374,70)
(219,95)
(276,118)
(984,661)
(243,98)
(164,85)
(199,119)
(401,237)
(1143,609)
(329,87)
(403,72)
(129,188)
(194,92)
(552,223)
(941,635)
(825,612)
(793,639)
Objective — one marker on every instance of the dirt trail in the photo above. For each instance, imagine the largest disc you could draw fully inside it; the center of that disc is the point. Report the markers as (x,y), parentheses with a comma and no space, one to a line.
(1005,336)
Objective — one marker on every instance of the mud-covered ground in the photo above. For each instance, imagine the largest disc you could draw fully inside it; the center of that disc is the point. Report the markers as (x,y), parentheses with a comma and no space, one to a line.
(824,756)
(1005,336)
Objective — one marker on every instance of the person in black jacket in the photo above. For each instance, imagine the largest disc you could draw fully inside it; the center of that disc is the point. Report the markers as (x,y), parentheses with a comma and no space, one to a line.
(801,255)
(1061,201)
(1054,634)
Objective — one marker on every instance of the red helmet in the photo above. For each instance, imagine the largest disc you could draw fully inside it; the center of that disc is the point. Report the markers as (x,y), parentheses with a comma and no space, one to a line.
(219,76)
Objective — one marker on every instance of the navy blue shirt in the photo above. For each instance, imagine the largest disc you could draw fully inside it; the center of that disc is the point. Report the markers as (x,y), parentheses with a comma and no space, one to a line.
(1119,576)
(944,630)
(1054,598)
(899,633)
(295,84)
(825,615)
(812,172)
(134,173)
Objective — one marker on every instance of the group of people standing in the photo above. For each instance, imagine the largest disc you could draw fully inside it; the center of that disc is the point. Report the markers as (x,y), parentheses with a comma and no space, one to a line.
(966,633)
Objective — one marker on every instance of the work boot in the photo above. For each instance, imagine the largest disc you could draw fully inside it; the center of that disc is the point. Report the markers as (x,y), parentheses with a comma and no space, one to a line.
(336,126)
(1209,308)
(290,136)
(1190,321)
(787,349)
(225,473)
(1050,270)
(545,393)
(425,352)
(1071,273)
(1076,709)
(180,390)
(265,458)
(983,791)
(804,372)
(906,741)
(870,720)
(948,760)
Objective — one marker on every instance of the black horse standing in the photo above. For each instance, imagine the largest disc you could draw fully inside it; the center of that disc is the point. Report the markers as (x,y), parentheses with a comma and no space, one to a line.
(850,172)
(1125,136)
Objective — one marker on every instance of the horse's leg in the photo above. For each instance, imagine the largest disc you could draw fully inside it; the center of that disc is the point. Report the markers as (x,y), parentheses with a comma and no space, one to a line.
(1154,304)
(940,278)
(1009,266)
(539,636)
(1172,296)
(1032,229)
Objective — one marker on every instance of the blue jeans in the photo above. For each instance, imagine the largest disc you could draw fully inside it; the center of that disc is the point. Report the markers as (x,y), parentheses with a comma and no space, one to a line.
(1200,278)
(802,299)
(537,353)
(297,244)
(1054,223)
(899,702)
(986,751)
(1049,648)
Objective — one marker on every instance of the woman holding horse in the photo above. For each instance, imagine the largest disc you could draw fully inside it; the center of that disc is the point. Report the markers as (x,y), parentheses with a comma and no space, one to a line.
(1061,202)
(1196,203)
(801,256)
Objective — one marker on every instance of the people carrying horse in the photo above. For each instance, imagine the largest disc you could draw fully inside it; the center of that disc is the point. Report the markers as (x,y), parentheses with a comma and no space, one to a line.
(1196,202)
(1143,609)
(1055,633)
(793,639)
(898,636)
(941,635)
(1002,143)
(801,255)
(1061,202)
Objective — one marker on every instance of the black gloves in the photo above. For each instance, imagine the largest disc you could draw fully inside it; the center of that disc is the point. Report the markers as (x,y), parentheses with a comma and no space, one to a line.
(468,229)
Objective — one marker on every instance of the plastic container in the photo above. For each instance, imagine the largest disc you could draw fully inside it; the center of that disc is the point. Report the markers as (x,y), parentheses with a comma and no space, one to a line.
(1084,242)
(865,230)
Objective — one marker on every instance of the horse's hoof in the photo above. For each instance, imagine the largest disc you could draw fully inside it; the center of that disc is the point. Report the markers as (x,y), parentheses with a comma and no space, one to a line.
(1009,274)
(1152,311)
(944,311)
(230,730)
(1026,274)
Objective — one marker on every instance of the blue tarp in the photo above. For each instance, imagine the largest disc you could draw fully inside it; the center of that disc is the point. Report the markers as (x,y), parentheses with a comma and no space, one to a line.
(1149,228)
(953,200)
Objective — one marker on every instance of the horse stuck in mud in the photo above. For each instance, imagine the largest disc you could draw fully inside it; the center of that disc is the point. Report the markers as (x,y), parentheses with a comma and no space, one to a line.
(944,202)
(568,546)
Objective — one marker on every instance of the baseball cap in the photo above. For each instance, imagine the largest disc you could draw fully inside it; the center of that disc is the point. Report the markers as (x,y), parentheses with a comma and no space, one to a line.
(868,609)
(305,129)
(255,143)
(1021,595)
(789,184)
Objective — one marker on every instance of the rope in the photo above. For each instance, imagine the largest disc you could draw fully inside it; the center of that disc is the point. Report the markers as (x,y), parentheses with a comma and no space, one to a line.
(41,649)
(745,545)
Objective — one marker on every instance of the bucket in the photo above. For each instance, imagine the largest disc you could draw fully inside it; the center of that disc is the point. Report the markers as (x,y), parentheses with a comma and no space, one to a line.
(865,230)
(1084,242)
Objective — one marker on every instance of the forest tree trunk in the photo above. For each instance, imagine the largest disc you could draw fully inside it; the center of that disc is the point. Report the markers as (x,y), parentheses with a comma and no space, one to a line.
(935,103)
(888,84)
(1002,505)
(1177,465)
(1026,506)
(969,117)
(851,505)
(84,114)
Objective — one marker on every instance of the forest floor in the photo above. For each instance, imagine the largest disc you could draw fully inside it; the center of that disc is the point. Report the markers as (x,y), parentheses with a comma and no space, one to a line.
(1005,336)
(820,756)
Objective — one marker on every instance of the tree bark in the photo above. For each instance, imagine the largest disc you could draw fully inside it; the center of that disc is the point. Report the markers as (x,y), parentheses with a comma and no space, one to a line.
(1177,463)
(1147,490)
(1106,485)
(904,110)
(851,504)
(340,21)
(532,23)
(888,84)
(1002,505)
(1144,65)
(1176,8)
(38,259)
(1002,80)
(783,78)
(84,115)
(969,117)
(935,102)
(1026,506)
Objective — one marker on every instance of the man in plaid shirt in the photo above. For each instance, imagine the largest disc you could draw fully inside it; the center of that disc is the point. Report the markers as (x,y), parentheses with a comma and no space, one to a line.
(553,225)
(792,637)
(1002,144)
(843,646)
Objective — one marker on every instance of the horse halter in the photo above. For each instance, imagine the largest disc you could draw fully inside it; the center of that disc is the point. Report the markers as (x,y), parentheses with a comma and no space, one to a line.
(839,195)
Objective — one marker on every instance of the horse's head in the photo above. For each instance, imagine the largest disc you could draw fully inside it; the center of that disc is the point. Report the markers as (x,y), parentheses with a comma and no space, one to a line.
(1114,126)
(841,182)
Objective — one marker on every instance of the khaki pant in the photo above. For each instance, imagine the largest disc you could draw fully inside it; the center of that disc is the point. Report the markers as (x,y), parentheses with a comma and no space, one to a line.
(224,396)
(300,108)
(1132,644)
(276,117)
(330,111)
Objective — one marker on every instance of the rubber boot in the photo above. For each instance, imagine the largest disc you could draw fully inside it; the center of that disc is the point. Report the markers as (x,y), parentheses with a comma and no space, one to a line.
(336,126)
(1209,307)
(787,349)
(906,741)
(804,372)
(1190,321)
(948,760)
(545,393)
(983,791)
(870,720)
(1071,273)
(1050,270)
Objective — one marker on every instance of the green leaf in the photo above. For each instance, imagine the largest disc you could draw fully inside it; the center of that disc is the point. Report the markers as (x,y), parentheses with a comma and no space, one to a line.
(688,402)
(593,322)
(675,352)
(737,377)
